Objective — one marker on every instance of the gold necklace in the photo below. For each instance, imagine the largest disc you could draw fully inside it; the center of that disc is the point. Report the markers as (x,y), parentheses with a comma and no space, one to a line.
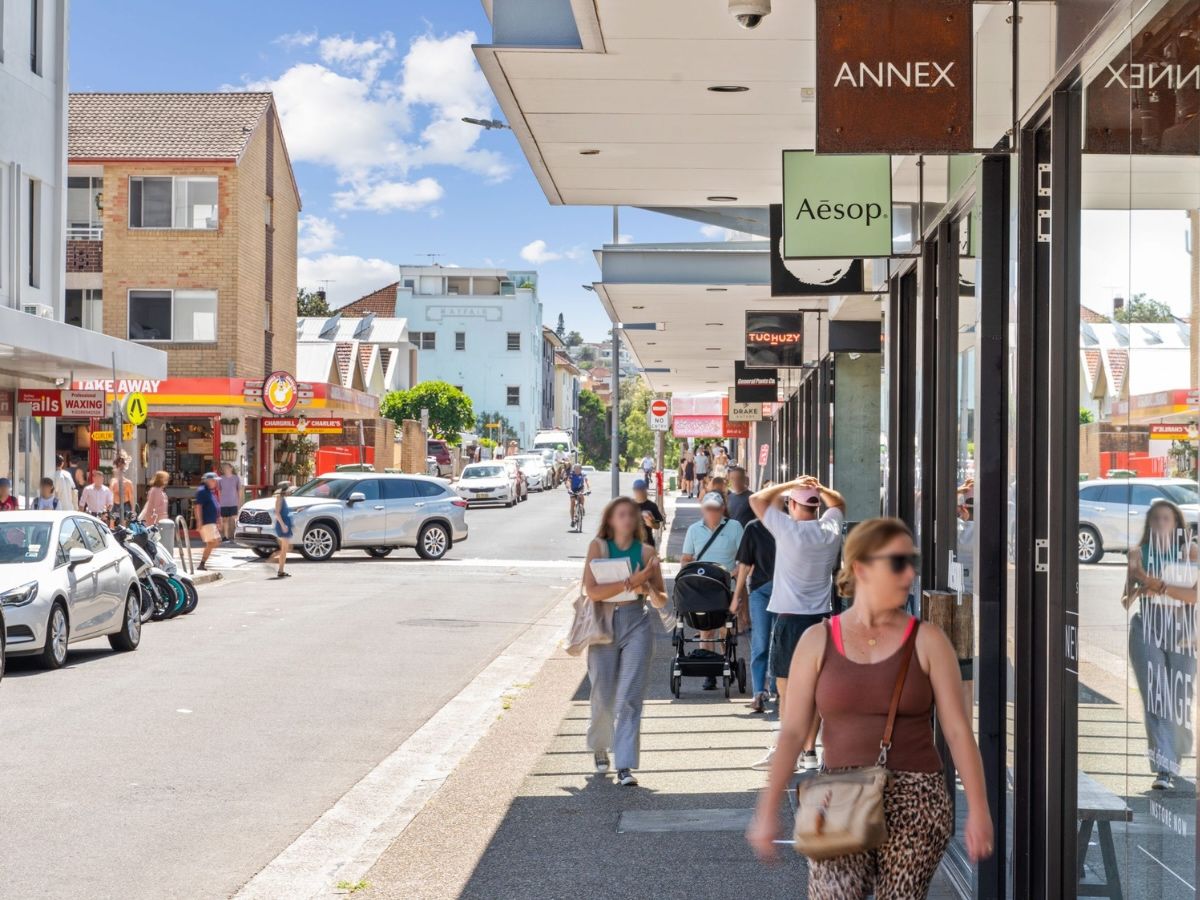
(871,642)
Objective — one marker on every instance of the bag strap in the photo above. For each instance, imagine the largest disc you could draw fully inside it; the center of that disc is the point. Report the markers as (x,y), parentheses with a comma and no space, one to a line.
(712,537)
(906,657)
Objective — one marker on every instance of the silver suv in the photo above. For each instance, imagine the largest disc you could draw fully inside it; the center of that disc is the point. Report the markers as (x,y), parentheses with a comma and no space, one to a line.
(372,511)
(1112,512)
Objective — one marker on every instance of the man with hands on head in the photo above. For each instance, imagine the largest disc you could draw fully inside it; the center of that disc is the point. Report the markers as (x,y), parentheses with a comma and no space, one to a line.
(807,544)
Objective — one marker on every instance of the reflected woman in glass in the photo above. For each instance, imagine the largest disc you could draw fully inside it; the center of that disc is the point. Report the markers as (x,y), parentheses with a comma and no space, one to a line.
(1162,580)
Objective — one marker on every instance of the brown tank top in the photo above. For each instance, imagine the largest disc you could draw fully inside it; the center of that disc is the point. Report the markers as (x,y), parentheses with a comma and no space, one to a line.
(853,700)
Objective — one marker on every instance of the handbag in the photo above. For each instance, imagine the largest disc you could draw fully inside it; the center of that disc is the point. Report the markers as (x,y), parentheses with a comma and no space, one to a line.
(840,813)
(592,623)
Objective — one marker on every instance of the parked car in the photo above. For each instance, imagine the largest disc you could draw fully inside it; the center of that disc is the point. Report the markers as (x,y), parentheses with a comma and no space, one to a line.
(440,451)
(533,468)
(521,486)
(487,482)
(1112,511)
(64,578)
(589,471)
(371,511)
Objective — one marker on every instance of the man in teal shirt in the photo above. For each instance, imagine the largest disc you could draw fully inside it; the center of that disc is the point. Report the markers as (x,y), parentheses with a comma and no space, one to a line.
(715,538)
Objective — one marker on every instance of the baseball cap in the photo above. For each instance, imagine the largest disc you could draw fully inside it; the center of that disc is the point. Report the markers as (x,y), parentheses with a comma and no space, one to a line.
(805,496)
(713,500)
(639,484)
(208,475)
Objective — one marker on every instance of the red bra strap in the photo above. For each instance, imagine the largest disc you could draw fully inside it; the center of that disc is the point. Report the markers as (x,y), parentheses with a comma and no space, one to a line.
(835,626)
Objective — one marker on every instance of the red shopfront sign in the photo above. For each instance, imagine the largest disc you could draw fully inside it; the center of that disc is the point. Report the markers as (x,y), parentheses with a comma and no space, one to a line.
(302,425)
(53,402)
(708,427)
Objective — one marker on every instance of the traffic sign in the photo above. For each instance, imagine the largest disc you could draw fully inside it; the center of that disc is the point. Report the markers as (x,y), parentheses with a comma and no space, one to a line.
(763,452)
(135,408)
(660,408)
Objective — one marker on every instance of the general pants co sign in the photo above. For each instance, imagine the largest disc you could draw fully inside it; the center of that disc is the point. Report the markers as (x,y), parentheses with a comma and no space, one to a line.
(894,76)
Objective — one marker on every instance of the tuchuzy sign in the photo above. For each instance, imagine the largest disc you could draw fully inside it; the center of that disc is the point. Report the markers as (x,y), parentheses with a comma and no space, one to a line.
(774,340)
(836,206)
(894,77)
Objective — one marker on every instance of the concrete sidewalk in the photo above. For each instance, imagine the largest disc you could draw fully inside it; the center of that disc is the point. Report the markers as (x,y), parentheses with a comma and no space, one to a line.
(525,816)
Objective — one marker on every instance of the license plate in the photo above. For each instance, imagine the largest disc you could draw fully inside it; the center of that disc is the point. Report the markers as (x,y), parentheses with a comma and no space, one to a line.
(253,529)
(481,495)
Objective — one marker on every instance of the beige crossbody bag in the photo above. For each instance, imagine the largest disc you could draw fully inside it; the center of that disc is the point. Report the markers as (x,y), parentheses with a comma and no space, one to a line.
(840,813)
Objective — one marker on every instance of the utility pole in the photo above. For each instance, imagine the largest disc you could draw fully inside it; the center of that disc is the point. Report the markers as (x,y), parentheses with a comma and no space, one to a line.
(614,456)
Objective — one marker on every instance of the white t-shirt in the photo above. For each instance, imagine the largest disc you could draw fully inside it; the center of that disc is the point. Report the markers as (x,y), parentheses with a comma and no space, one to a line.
(805,554)
(64,490)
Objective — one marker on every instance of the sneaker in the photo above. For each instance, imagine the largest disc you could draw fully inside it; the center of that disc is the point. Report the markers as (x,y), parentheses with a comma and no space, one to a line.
(808,760)
(759,703)
(710,683)
(601,762)
(626,778)
(764,764)
(1162,782)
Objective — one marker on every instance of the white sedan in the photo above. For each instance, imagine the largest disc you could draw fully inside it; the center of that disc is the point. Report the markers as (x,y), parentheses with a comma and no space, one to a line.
(486,482)
(64,578)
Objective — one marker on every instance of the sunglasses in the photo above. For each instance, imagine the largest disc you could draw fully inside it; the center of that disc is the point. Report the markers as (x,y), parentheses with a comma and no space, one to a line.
(899,561)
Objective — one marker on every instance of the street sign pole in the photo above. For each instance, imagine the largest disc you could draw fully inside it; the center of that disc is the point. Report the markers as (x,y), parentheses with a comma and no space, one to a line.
(614,455)
(117,435)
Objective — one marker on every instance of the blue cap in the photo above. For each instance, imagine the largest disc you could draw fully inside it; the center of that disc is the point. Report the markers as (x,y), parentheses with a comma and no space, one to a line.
(640,484)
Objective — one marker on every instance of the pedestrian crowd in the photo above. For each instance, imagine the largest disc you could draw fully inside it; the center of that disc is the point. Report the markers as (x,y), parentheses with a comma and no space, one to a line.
(855,692)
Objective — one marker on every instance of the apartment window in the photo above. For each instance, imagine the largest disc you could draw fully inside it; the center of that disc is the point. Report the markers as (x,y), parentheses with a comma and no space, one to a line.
(169,202)
(85,308)
(268,212)
(85,208)
(514,340)
(178,316)
(35,36)
(514,395)
(423,340)
(460,340)
(34,241)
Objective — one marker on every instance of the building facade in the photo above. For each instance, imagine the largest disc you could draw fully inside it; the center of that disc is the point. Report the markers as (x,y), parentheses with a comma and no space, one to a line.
(566,394)
(477,329)
(551,345)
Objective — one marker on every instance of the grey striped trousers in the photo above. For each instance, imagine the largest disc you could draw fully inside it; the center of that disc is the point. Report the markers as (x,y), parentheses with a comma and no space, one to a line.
(618,673)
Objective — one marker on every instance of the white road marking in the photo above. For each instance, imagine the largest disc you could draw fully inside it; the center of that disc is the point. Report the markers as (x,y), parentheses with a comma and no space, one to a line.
(350,836)
(186,712)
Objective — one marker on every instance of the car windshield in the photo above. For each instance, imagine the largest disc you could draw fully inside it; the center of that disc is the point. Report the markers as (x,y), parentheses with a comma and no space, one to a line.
(334,488)
(529,462)
(1181,493)
(24,542)
(483,472)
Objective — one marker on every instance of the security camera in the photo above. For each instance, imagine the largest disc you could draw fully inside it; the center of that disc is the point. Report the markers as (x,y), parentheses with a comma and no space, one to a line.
(749,13)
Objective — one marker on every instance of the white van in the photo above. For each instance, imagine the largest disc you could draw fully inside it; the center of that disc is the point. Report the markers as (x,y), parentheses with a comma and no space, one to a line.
(552,440)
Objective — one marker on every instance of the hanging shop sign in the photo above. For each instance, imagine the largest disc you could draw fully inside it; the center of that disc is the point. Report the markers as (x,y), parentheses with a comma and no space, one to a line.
(894,77)
(107,437)
(738,430)
(302,425)
(54,402)
(745,412)
(1167,432)
(809,277)
(774,340)
(1145,100)
(280,393)
(754,385)
(836,206)
(764,453)
(698,426)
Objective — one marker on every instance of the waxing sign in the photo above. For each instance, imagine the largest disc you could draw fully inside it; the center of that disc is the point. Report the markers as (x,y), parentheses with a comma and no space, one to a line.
(894,76)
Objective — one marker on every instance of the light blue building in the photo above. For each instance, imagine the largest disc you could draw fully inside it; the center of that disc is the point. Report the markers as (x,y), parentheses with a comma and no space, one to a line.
(478,329)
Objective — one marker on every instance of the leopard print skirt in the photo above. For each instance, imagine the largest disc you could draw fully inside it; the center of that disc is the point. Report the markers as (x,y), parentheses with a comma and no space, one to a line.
(920,821)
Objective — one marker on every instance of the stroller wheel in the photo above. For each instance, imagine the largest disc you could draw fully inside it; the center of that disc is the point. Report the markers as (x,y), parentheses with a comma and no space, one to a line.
(727,679)
(741,676)
(675,683)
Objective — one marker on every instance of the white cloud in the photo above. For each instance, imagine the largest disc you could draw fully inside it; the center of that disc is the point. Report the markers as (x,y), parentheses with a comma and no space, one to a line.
(538,253)
(388,196)
(345,278)
(296,39)
(624,238)
(316,235)
(356,109)
(716,232)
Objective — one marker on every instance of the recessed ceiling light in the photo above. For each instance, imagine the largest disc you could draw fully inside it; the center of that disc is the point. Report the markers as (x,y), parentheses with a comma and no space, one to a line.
(714,324)
(721,198)
(712,349)
(589,152)
(716,290)
(651,343)
(639,307)
(712,367)
(728,88)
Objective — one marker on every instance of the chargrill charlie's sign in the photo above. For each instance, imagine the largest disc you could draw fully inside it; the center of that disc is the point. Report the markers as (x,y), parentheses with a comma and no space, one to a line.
(894,76)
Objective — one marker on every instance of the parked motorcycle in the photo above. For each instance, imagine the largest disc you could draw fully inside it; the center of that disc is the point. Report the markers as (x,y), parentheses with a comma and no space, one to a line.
(154,603)
(166,562)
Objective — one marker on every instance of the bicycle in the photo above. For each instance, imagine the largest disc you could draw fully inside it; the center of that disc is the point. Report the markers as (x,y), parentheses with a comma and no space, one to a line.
(577,512)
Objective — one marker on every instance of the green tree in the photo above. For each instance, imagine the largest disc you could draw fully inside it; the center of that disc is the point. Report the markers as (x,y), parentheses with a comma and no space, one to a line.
(561,329)
(587,354)
(1141,308)
(501,434)
(450,410)
(1085,416)
(593,429)
(311,303)
(573,339)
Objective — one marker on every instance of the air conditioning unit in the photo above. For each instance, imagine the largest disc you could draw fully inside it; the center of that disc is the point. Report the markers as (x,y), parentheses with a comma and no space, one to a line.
(39,309)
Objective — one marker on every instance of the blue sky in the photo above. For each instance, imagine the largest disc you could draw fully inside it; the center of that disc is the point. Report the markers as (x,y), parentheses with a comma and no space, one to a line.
(371,94)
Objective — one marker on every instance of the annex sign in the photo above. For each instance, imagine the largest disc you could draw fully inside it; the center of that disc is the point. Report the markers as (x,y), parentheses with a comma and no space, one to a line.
(894,76)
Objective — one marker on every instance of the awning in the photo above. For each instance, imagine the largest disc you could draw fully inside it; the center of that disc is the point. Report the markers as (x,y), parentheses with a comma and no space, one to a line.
(32,347)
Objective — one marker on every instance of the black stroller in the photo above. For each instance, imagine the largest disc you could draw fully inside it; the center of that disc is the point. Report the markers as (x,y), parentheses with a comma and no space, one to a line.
(703,594)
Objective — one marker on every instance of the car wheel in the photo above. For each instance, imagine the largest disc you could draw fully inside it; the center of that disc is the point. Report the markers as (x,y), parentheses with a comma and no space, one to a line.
(262,552)
(54,654)
(1090,550)
(130,634)
(433,542)
(378,552)
(318,543)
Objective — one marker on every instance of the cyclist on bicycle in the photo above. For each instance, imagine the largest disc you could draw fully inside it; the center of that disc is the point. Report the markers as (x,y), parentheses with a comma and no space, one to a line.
(577,486)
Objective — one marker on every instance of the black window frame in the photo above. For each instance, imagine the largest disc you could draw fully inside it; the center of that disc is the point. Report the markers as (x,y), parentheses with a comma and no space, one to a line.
(509,397)
(513,337)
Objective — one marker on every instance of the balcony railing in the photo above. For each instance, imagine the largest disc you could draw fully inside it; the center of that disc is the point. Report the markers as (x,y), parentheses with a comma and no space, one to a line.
(84,232)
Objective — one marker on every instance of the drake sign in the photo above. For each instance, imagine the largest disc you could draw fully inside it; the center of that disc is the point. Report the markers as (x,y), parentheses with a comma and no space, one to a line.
(894,76)
(836,207)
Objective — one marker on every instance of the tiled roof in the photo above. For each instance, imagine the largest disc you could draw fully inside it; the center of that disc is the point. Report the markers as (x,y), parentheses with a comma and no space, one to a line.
(364,357)
(163,126)
(385,358)
(1090,315)
(381,302)
(1118,364)
(345,354)
(1092,360)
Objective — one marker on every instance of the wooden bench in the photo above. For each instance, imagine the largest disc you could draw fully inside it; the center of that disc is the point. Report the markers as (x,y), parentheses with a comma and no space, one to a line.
(1098,809)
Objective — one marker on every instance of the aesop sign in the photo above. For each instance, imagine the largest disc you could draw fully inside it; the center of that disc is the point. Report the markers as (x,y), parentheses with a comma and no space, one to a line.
(836,206)
(809,277)
(894,76)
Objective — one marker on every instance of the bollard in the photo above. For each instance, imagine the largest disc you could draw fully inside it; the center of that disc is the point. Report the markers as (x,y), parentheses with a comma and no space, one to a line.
(957,620)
